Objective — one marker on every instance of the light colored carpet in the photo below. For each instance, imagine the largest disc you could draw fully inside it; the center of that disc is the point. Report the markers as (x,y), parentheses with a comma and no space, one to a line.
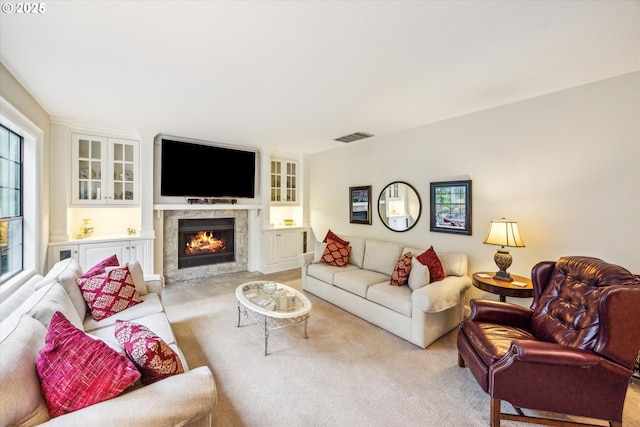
(348,373)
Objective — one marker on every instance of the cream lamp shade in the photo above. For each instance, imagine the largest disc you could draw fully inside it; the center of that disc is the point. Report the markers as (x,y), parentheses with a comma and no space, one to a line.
(503,233)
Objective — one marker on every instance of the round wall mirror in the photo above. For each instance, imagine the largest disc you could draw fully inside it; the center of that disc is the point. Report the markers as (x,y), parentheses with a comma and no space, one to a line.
(399,206)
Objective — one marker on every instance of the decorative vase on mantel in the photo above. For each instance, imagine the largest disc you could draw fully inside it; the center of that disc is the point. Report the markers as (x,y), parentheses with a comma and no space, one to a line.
(86,229)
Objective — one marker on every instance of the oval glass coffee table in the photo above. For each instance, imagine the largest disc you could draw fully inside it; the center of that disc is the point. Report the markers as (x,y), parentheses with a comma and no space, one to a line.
(274,308)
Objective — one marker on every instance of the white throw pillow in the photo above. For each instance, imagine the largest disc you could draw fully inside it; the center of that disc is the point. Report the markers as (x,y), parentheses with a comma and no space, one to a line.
(419,275)
(136,275)
(320,247)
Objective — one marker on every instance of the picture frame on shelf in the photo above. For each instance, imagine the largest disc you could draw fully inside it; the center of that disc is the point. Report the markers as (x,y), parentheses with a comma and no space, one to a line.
(451,207)
(360,205)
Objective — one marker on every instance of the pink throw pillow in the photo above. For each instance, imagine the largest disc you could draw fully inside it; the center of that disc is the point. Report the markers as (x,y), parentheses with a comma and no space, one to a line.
(109,293)
(401,270)
(335,253)
(99,268)
(431,260)
(153,357)
(77,371)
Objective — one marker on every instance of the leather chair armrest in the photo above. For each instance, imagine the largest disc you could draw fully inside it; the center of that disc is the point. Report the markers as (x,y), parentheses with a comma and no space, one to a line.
(551,353)
(502,313)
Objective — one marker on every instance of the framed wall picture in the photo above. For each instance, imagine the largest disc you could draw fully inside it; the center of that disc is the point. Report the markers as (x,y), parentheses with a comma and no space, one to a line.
(451,207)
(360,205)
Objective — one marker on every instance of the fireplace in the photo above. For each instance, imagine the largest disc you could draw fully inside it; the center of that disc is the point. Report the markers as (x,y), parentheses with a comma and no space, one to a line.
(205,241)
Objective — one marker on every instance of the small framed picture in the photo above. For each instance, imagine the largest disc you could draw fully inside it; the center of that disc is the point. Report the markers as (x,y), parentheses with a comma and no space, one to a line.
(451,207)
(360,205)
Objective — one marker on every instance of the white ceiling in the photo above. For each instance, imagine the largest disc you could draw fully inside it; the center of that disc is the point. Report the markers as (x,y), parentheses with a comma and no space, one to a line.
(294,75)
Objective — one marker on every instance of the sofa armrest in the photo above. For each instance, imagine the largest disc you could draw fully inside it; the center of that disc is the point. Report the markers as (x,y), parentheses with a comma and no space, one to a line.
(305,259)
(155,283)
(442,295)
(176,400)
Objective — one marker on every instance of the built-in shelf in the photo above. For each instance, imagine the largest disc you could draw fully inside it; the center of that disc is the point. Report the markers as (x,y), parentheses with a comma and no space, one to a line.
(203,207)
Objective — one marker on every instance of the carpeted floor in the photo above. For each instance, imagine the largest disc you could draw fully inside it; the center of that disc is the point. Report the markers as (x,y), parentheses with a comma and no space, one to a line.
(348,373)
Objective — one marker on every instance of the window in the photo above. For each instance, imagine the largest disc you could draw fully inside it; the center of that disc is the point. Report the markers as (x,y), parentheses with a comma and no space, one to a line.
(11,219)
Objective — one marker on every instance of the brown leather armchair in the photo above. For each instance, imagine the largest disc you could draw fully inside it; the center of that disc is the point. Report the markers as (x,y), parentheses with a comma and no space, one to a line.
(572,352)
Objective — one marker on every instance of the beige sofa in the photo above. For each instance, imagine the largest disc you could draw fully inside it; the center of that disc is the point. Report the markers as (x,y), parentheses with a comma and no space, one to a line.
(420,316)
(187,399)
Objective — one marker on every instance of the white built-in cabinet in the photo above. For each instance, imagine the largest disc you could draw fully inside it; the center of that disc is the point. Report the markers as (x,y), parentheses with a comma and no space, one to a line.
(284,181)
(104,171)
(283,247)
(89,254)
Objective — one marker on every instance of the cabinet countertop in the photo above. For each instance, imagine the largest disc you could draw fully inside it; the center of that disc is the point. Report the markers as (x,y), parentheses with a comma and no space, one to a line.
(287,227)
(100,239)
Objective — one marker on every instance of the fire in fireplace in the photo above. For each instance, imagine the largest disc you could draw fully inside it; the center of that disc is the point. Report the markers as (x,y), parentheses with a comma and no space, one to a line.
(205,241)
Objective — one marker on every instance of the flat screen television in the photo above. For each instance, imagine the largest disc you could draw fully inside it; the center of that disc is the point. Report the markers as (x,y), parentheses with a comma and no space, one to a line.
(199,170)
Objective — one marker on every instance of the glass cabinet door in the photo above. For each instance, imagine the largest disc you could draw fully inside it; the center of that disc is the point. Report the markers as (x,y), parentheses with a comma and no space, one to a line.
(284,181)
(89,157)
(292,187)
(276,181)
(123,165)
(104,170)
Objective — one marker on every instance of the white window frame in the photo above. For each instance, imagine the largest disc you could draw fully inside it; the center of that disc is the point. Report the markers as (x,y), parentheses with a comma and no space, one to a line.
(33,141)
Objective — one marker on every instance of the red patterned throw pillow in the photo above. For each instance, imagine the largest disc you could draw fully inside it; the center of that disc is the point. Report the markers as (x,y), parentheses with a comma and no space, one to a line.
(153,357)
(99,268)
(332,236)
(109,293)
(335,253)
(401,270)
(77,371)
(431,260)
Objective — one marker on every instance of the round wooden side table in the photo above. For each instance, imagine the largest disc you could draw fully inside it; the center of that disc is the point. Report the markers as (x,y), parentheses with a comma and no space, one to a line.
(484,281)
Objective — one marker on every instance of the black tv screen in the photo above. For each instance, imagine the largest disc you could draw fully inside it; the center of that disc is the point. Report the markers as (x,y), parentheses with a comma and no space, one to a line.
(199,170)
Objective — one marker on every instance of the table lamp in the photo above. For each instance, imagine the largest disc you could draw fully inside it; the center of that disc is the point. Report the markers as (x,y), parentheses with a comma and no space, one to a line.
(504,233)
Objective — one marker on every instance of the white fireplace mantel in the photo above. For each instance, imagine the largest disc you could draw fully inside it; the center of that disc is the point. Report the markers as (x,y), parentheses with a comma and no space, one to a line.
(198,207)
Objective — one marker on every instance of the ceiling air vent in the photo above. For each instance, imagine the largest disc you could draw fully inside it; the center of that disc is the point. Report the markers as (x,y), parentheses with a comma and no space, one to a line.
(353,137)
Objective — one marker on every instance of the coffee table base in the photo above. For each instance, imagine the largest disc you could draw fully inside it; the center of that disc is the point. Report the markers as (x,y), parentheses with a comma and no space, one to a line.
(269,324)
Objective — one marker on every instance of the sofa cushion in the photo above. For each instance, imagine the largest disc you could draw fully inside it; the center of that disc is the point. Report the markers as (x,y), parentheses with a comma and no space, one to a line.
(137,276)
(381,256)
(15,300)
(21,401)
(109,293)
(99,268)
(326,272)
(319,251)
(151,304)
(356,254)
(401,270)
(153,357)
(156,322)
(335,253)
(77,371)
(55,299)
(453,263)
(419,275)
(67,272)
(396,298)
(431,260)
(358,281)
(44,303)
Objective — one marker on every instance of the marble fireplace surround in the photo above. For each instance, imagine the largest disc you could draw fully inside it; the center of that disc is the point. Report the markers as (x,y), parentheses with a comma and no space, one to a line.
(170,244)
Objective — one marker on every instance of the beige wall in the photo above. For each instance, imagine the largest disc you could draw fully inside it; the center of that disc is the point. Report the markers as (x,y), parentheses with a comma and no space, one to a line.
(566,166)
(14,93)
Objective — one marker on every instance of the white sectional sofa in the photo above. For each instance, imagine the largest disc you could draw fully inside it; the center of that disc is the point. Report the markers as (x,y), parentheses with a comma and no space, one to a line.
(186,399)
(362,287)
